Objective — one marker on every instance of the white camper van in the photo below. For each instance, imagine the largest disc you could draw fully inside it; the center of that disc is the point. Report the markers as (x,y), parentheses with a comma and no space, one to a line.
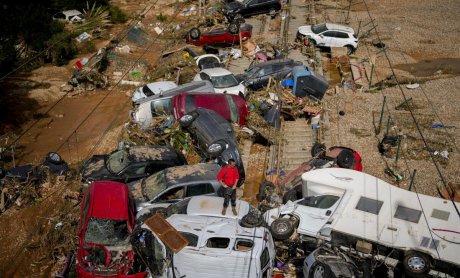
(218,246)
(346,208)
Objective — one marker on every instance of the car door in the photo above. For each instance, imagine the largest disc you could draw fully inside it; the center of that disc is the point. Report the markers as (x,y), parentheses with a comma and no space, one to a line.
(342,39)
(314,212)
(330,38)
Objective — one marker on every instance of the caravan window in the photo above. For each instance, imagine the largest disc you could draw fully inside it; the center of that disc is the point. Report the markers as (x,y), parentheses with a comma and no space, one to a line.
(408,214)
(322,202)
(264,258)
(191,238)
(369,205)
(218,242)
(243,245)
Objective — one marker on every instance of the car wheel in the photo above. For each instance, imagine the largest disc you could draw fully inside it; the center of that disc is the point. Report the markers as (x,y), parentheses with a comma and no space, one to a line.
(195,33)
(233,28)
(318,150)
(186,120)
(264,189)
(281,229)
(346,159)
(416,264)
(290,195)
(350,49)
(272,12)
(54,158)
(251,220)
(319,270)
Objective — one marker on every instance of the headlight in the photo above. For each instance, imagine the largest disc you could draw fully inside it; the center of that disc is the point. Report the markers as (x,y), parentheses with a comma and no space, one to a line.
(215,148)
(186,118)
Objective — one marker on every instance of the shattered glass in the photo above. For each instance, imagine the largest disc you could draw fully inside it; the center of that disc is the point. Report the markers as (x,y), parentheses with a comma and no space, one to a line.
(154,185)
(118,161)
(107,232)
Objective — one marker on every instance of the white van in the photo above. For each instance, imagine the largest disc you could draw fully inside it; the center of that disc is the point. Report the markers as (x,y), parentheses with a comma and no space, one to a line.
(218,246)
(346,208)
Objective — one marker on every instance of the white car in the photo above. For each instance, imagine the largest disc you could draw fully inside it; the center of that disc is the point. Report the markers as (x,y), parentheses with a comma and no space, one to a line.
(70,16)
(151,89)
(329,35)
(222,80)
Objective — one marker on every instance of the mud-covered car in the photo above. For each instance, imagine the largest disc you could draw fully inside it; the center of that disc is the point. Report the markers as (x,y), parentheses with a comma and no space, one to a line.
(131,163)
(214,136)
(176,183)
(236,9)
(52,164)
(257,76)
(326,262)
(106,223)
(224,36)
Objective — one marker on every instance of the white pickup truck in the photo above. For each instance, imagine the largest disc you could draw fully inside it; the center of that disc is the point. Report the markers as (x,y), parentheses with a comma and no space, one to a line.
(346,208)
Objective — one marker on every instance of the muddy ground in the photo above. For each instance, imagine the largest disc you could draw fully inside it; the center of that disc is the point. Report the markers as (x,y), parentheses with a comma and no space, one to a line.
(423,45)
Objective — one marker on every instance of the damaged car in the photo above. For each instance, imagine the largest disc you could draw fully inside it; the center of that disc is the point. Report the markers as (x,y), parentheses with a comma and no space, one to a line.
(209,241)
(176,183)
(232,107)
(106,223)
(326,262)
(329,35)
(131,163)
(215,137)
(151,89)
(223,81)
(220,36)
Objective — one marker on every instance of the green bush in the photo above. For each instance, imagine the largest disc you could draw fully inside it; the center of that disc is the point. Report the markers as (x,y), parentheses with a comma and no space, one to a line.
(64,48)
(87,46)
(162,17)
(117,15)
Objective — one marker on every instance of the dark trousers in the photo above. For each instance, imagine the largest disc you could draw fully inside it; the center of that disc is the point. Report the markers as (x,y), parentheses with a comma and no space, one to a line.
(228,193)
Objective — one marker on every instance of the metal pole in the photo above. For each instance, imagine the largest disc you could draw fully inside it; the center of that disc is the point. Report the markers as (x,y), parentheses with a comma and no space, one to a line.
(381,114)
(412,180)
(397,152)
(372,74)
(388,124)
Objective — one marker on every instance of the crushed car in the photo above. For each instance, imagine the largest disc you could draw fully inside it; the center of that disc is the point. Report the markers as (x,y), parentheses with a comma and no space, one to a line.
(106,223)
(223,81)
(175,184)
(130,163)
(257,76)
(161,104)
(151,89)
(327,262)
(220,36)
(214,137)
(232,107)
(213,243)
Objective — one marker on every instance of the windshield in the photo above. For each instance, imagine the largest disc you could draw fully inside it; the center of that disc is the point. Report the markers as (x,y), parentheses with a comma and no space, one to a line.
(118,161)
(107,232)
(153,185)
(224,81)
(147,91)
(319,28)
(251,71)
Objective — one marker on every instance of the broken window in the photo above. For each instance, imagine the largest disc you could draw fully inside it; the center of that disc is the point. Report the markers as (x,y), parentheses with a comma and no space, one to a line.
(322,202)
(369,205)
(161,107)
(191,238)
(218,242)
(243,244)
(173,194)
(118,161)
(408,214)
(107,232)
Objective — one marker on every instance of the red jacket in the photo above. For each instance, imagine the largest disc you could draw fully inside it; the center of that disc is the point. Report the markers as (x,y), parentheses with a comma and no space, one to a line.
(228,175)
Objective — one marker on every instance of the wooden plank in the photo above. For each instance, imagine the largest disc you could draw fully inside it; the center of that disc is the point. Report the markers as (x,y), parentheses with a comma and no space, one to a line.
(166,232)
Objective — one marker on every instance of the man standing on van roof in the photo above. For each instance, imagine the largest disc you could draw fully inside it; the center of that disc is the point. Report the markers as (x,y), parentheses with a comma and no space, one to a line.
(228,177)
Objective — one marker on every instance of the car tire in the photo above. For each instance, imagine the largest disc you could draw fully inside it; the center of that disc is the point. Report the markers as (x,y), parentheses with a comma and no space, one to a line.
(194,33)
(233,27)
(416,264)
(188,122)
(312,41)
(350,49)
(346,159)
(264,188)
(318,150)
(290,195)
(54,158)
(319,270)
(281,229)
(251,220)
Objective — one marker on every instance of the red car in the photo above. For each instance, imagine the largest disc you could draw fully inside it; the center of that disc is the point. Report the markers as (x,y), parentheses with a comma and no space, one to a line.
(219,35)
(232,107)
(106,223)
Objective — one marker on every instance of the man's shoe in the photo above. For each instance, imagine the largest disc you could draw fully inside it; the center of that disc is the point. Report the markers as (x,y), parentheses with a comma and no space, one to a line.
(234,211)
(224,210)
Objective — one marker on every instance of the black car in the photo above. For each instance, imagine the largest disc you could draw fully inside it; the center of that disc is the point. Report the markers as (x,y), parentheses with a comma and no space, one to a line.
(53,163)
(257,76)
(247,8)
(131,163)
(214,136)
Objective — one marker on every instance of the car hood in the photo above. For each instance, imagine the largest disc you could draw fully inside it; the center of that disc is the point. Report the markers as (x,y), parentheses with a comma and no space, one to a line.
(235,90)
(233,5)
(95,168)
(305,30)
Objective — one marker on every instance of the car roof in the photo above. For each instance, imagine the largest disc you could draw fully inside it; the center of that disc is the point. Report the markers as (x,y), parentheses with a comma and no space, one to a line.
(191,173)
(109,200)
(148,153)
(216,71)
(333,26)
(212,206)
(71,12)
(274,62)
(161,86)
